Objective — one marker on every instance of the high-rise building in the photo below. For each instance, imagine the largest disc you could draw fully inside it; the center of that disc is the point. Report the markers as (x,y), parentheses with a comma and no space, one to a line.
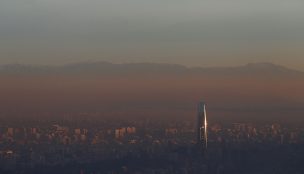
(202,134)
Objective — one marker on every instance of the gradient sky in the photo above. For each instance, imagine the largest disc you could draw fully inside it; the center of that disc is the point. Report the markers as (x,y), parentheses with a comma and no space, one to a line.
(192,32)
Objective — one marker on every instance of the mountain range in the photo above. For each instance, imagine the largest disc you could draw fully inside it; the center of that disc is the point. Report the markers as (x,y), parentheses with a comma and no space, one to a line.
(256,91)
(106,68)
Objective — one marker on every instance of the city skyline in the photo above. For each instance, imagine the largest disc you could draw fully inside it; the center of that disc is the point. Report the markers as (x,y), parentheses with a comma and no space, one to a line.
(151,86)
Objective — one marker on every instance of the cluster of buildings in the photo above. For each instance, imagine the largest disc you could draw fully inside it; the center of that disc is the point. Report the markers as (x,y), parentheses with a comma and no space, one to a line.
(156,147)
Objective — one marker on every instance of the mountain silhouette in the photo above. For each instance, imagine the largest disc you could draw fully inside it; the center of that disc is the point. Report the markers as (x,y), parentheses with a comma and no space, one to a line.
(250,92)
(106,68)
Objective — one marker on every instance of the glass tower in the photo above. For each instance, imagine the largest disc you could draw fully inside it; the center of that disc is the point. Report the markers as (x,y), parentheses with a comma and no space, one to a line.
(202,138)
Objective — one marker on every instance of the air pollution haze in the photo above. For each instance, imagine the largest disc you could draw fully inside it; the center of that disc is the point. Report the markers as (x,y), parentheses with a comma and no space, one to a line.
(151,86)
(205,33)
(255,92)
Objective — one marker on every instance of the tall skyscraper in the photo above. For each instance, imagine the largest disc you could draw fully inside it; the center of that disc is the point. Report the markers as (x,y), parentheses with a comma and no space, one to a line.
(202,136)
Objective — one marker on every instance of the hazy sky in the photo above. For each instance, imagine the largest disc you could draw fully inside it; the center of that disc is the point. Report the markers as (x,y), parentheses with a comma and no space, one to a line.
(191,32)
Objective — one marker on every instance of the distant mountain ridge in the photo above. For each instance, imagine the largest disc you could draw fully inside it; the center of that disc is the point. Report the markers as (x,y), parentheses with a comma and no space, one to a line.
(255,91)
(106,68)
